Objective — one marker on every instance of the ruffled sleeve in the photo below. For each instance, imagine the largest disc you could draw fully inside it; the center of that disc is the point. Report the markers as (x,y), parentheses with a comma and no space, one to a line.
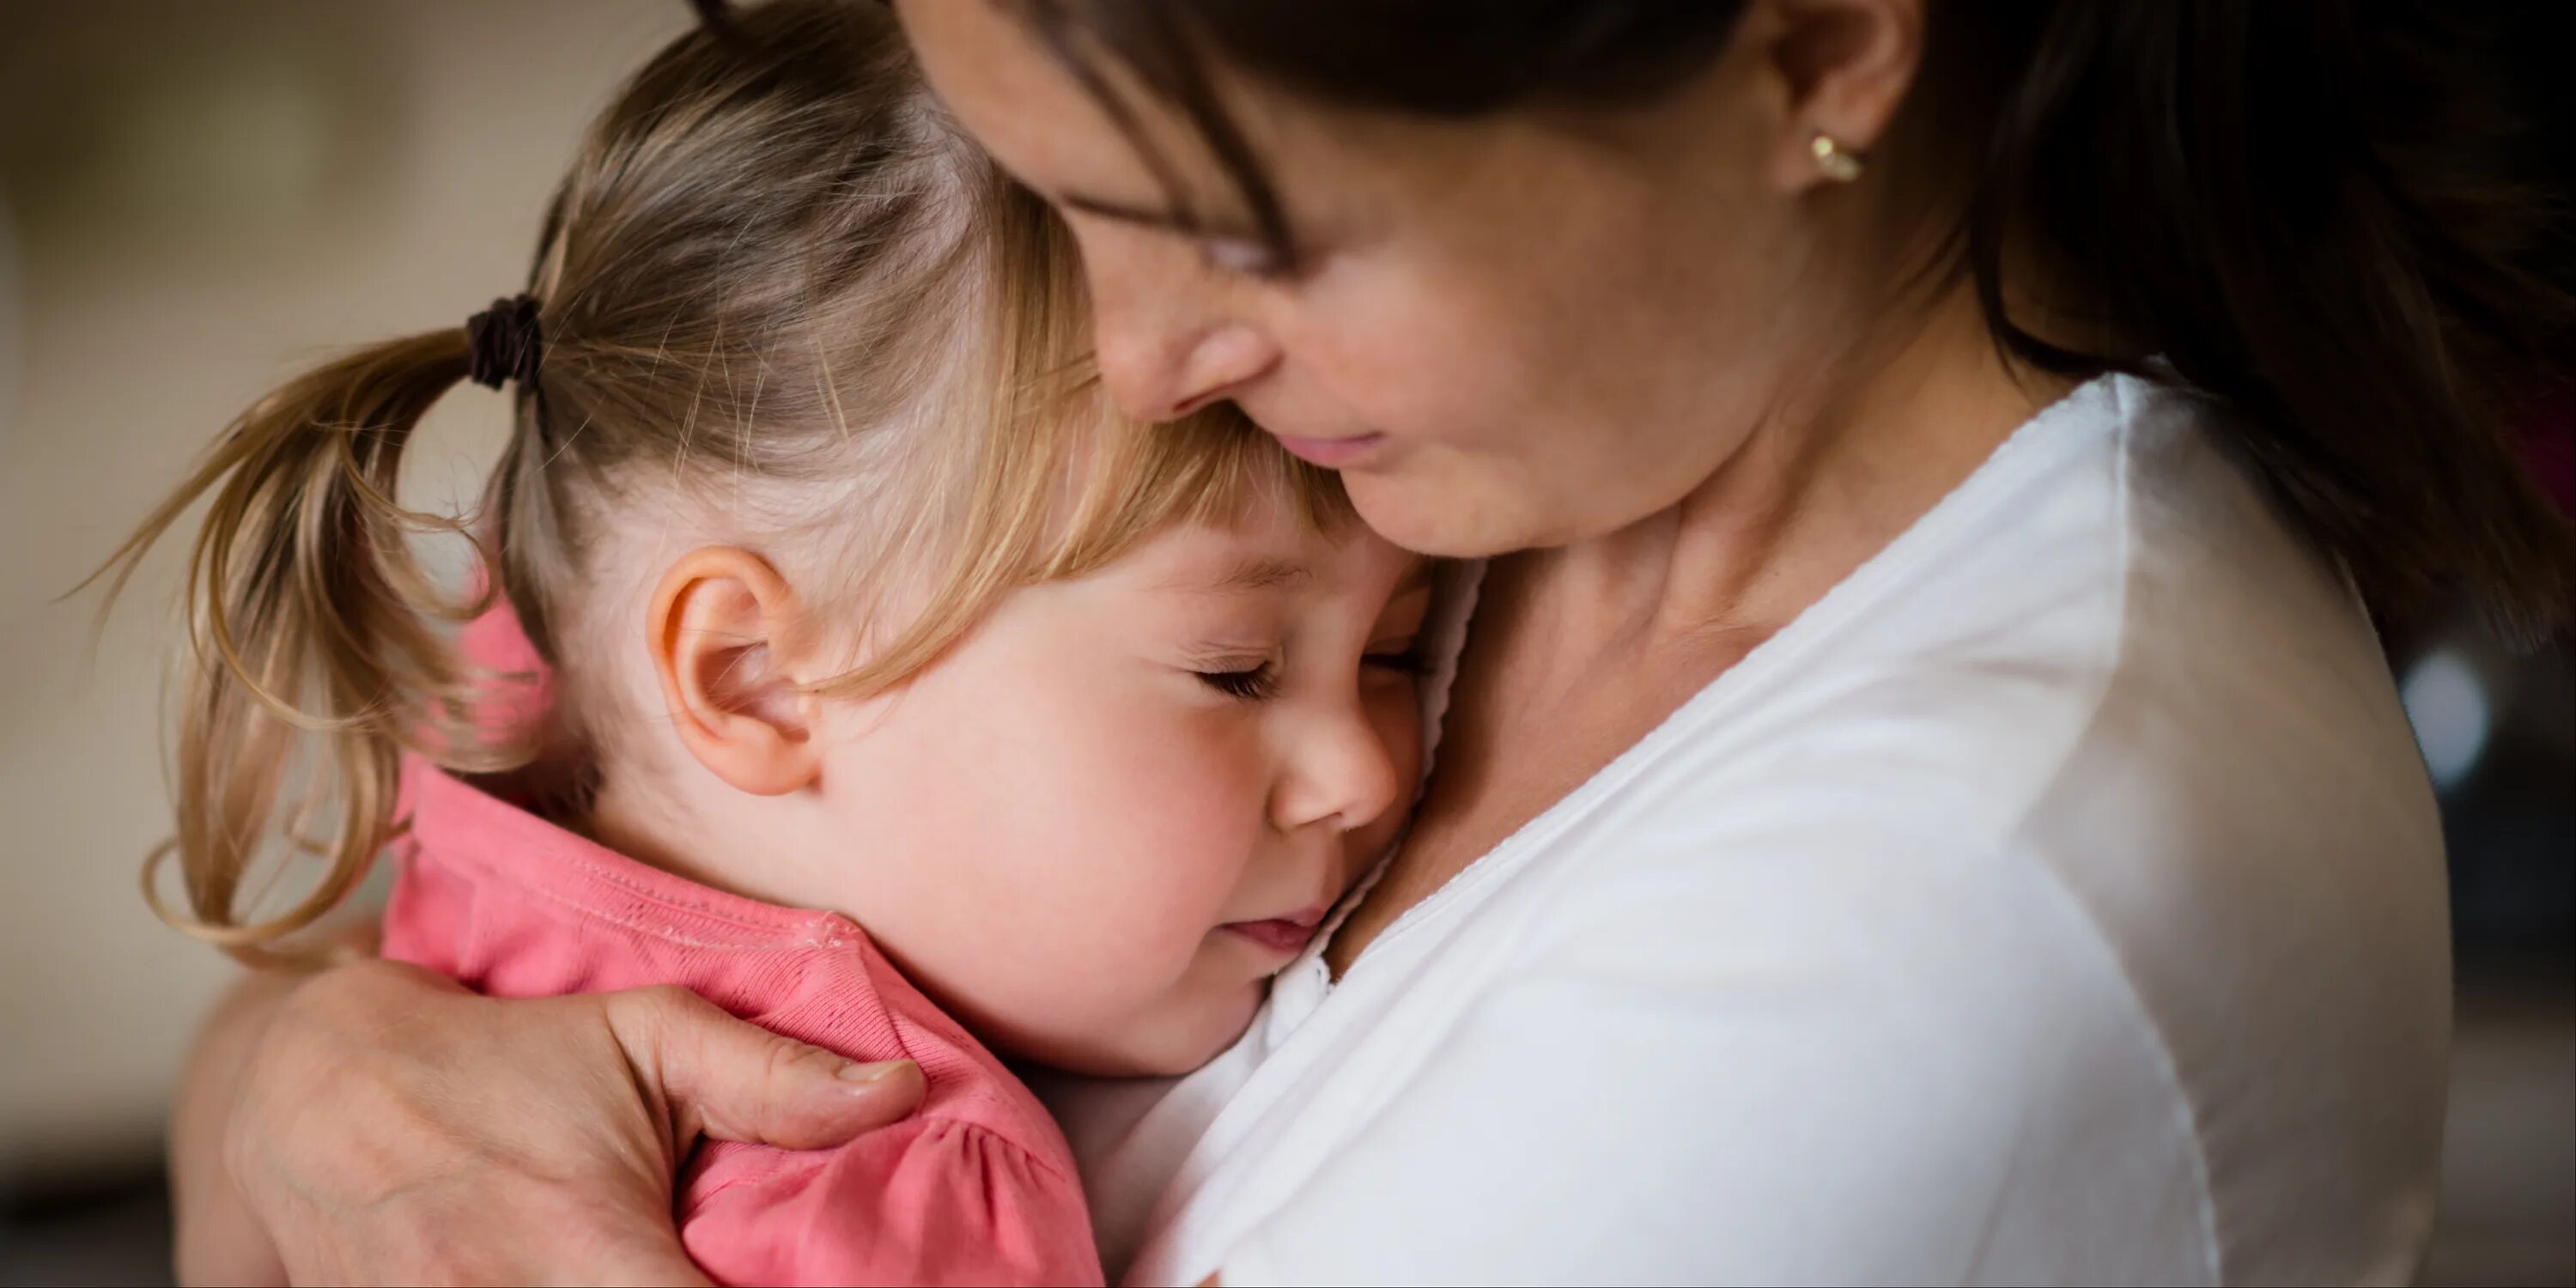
(933,1201)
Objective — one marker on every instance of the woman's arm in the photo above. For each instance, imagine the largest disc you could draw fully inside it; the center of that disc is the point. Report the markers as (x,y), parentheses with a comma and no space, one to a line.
(375,1123)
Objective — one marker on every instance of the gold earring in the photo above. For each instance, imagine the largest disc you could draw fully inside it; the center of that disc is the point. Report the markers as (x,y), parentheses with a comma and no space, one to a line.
(1833,160)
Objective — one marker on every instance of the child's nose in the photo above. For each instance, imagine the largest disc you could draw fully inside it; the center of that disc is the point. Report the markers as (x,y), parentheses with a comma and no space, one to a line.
(1343,777)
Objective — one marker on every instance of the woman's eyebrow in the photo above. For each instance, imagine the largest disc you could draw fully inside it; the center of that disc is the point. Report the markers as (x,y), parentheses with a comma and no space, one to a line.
(1122,212)
(1157,217)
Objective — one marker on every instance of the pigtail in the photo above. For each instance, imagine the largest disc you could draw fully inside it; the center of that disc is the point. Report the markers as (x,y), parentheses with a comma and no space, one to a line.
(319,655)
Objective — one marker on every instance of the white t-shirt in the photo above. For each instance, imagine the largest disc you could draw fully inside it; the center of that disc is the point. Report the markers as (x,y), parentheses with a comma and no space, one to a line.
(2059,899)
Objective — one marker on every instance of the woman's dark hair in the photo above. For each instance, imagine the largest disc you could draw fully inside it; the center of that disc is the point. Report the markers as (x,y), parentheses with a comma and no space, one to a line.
(2291,205)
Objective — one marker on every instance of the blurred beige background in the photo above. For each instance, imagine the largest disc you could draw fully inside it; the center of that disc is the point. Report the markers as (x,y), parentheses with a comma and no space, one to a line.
(199,196)
(202,196)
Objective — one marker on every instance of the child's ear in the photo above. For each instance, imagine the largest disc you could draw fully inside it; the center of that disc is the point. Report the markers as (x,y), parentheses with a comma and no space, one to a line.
(719,636)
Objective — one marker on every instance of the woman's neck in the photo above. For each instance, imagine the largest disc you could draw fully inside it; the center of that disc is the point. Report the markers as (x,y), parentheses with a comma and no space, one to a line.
(1815,491)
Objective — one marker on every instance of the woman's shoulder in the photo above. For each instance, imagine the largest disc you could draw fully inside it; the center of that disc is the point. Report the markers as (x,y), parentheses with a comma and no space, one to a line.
(2113,675)
(2118,731)
(2109,638)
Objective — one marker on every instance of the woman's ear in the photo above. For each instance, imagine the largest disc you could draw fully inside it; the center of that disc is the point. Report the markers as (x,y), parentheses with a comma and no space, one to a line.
(1843,67)
(720,635)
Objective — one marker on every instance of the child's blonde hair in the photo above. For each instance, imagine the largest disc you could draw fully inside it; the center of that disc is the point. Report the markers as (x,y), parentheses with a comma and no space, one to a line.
(776,268)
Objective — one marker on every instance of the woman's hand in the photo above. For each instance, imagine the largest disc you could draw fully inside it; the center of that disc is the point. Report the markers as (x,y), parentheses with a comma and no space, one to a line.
(391,1127)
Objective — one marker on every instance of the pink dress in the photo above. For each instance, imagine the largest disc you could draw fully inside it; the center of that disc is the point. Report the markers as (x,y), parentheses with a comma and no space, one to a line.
(977,1187)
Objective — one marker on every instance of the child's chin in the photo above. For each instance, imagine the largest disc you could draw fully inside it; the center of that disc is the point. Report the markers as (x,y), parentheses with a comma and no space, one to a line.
(1177,1042)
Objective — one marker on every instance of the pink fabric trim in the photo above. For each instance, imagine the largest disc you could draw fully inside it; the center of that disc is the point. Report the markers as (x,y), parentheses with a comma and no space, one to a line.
(978,1187)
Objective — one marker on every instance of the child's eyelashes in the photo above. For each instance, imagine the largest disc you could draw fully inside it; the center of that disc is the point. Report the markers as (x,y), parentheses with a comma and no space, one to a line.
(1257,681)
(1251,684)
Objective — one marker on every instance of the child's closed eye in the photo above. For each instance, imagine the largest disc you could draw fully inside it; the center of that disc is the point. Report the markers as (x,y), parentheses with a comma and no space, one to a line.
(1252,683)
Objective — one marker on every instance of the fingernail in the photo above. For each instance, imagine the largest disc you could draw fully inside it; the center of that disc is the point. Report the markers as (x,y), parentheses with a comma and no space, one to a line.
(866,1073)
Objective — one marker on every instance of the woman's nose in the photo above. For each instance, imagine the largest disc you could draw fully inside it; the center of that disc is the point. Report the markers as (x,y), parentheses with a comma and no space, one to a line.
(1160,364)
(1344,776)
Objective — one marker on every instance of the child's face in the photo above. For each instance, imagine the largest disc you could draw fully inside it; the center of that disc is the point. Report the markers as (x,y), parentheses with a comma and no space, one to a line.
(1095,828)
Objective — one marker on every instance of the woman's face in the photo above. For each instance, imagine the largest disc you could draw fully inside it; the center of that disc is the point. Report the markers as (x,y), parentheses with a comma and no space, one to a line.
(1513,331)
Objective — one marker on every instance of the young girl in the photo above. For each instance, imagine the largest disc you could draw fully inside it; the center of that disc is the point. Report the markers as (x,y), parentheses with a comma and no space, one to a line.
(908,692)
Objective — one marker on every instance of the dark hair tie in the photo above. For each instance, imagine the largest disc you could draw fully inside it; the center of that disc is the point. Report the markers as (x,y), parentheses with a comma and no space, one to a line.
(503,343)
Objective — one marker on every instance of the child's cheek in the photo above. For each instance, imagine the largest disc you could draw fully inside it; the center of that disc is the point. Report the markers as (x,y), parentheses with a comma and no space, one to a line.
(1186,804)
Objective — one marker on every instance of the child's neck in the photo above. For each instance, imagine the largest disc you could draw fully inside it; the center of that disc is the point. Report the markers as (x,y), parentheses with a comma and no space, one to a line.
(717,843)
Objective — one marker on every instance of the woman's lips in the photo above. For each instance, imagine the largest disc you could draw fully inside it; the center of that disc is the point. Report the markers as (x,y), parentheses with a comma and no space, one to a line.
(1287,935)
(1331,453)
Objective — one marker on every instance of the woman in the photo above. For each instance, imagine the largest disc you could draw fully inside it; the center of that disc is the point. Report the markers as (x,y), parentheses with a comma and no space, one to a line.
(1922,800)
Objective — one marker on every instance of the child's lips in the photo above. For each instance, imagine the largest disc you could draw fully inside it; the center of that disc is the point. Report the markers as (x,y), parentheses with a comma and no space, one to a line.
(1287,935)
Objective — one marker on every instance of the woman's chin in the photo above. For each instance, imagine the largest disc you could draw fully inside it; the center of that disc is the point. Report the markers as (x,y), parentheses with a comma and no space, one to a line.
(1444,515)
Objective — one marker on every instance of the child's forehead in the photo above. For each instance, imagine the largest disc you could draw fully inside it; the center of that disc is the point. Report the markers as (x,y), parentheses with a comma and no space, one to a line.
(1274,558)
